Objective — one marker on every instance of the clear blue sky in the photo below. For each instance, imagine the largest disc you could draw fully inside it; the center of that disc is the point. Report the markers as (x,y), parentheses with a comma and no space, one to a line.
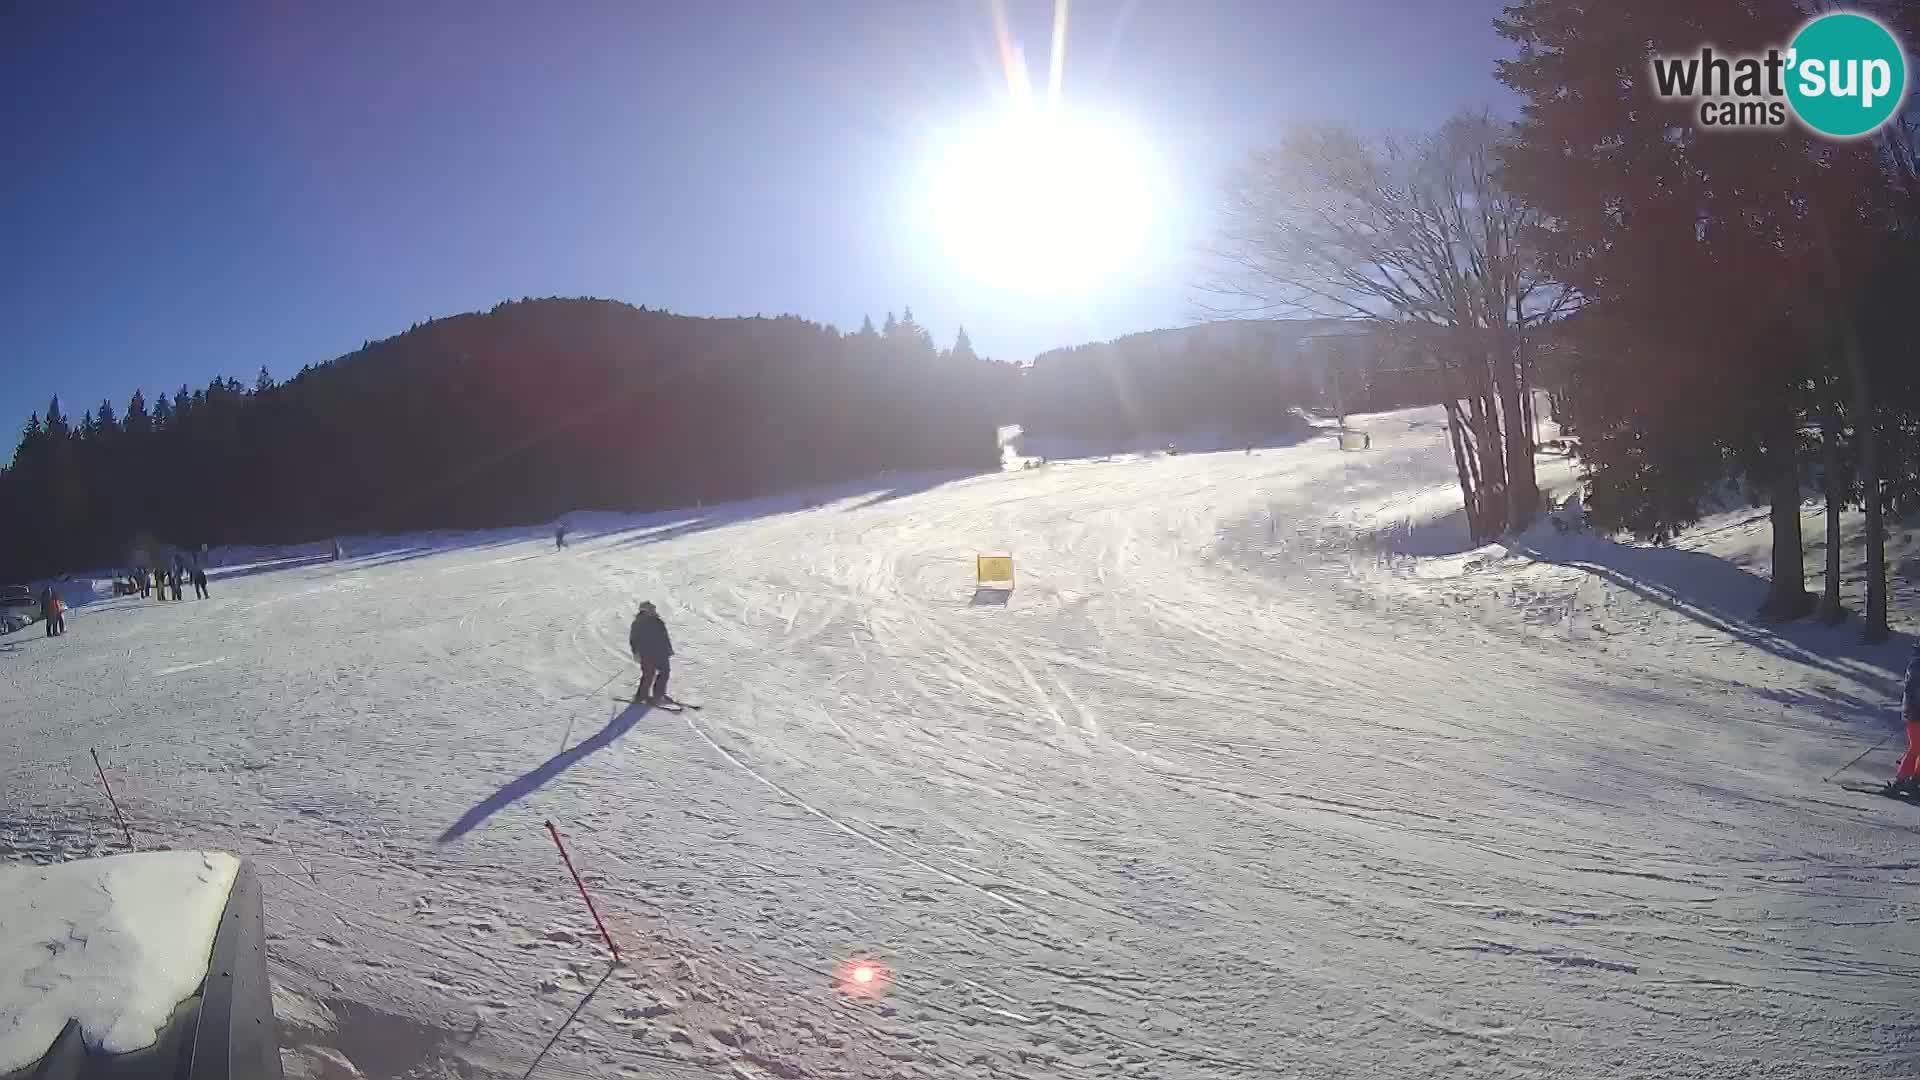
(191,190)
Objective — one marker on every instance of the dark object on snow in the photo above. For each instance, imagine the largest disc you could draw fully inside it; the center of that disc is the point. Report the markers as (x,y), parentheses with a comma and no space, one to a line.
(648,636)
(652,647)
(1891,791)
(225,1032)
(199,583)
(654,672)
(559,537)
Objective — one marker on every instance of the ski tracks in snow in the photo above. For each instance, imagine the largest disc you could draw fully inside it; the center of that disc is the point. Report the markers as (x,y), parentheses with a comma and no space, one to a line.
(1173,810)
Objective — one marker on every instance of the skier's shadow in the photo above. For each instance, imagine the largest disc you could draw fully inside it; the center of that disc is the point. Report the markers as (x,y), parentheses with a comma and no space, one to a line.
(527,783)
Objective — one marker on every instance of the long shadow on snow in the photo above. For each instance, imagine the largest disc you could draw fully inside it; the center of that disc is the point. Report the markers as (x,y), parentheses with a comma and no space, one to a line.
(1057,447)
(422,551)
(674,524)
(298,562)
(527,783)
(1725,598)
(912,484)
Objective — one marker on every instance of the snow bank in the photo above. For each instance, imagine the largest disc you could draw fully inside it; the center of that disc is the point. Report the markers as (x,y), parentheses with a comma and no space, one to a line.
(115,943)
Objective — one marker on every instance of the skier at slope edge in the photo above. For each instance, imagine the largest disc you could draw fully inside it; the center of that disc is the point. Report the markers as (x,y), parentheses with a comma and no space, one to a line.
(1907,779)
(653,648)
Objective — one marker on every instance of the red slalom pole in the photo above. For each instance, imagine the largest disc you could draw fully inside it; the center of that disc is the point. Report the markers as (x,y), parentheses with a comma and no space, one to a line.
(102,773)
(582,886)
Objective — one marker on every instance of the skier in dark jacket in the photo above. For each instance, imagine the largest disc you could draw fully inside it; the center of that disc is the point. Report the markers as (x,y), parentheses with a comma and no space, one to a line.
(199,583)
(1907,778)
(47,613)
(559,537)
(653,648)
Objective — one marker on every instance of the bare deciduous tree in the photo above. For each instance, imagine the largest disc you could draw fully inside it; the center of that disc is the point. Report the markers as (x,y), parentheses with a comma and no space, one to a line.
(1418,234)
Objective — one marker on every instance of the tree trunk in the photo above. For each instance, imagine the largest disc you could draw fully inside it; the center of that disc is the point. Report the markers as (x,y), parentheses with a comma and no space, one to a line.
(1491,461)
(1831,610)
(1875,628)
(1456,436)
(1527,408)
(1787,596)
(1523,489)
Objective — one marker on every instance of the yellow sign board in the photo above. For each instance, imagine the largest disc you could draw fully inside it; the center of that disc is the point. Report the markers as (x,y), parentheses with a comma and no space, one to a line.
(994,569)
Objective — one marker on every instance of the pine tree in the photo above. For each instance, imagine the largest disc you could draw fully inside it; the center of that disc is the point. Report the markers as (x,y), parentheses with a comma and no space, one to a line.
(263,382)
(56,422)
(963,347)
(138,422)
(1654,222)
(108,420)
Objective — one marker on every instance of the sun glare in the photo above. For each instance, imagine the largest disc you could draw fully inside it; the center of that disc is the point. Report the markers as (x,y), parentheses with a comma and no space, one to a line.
(1041,198)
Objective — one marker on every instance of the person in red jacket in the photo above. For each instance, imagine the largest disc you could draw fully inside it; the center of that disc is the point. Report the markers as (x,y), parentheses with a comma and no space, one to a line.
(1906,779)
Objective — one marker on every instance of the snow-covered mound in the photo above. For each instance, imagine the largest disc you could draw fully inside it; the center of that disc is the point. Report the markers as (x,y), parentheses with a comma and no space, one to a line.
(116,943)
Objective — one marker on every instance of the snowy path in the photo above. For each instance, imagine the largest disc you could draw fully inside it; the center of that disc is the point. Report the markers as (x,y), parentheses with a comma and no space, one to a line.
(1161,815)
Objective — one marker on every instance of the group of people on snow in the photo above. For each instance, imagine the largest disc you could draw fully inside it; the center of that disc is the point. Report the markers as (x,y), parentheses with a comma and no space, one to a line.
(171,581)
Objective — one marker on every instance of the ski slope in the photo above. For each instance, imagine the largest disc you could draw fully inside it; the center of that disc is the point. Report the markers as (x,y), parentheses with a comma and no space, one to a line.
(1225,789)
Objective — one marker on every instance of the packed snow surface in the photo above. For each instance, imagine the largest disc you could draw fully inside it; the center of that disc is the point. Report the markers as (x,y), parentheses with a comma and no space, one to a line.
(115,943)
(1262,770)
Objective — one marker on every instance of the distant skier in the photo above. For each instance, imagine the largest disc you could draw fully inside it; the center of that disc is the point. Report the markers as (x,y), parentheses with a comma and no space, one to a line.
(1907,779)
(173,582)
(653,648)
(199,583)
(144,580)
(559,536)
(47,610)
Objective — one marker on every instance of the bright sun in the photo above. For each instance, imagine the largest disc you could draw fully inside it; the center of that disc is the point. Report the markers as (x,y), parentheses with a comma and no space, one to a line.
(1041,199)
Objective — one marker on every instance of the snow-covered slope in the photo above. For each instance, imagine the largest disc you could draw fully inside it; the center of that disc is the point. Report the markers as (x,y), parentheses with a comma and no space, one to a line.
(114,943)
(1228,787)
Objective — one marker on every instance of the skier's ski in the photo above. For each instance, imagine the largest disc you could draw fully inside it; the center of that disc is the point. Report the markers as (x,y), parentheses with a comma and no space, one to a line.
(1883,791)
(670,705)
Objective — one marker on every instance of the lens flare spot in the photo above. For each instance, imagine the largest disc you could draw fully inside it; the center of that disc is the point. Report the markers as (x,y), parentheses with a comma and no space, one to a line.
(862,977)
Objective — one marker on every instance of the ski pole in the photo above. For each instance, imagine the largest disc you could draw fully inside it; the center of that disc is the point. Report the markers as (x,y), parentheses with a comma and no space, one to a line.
(116,802)
(582,886)
(1863,753)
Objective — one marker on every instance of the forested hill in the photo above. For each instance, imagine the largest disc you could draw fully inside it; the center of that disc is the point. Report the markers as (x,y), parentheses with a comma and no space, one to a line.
(1221,377)
(515,415)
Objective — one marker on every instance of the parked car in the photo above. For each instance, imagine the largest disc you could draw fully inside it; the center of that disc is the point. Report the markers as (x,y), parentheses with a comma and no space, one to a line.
(16,596)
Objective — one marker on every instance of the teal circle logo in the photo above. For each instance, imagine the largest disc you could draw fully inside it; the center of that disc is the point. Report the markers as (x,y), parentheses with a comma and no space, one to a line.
(1846,75)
